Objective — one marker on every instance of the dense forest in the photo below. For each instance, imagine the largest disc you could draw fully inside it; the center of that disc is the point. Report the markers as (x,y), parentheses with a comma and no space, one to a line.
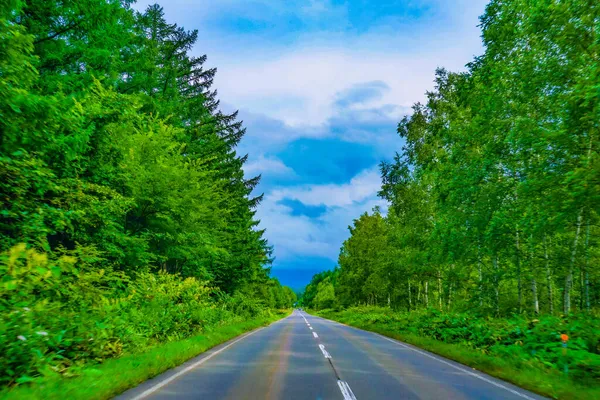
(495,196)
(125,216)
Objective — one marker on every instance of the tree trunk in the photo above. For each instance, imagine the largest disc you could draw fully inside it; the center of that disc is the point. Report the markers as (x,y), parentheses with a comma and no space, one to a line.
(548,277)
(426,294)
(496,285)
(536,304)
(587,267)
(409,297)
(480,270)
(569,277)
(532,263)
(440,289)
(518,265)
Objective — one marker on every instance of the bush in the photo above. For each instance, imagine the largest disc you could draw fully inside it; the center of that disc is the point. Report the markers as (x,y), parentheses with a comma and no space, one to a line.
(60,312)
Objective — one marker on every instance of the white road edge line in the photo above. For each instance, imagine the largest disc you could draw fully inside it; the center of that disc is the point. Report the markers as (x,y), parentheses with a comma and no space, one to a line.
(325,353)
(346,391)
(461,369)
(315,334)
(191,367)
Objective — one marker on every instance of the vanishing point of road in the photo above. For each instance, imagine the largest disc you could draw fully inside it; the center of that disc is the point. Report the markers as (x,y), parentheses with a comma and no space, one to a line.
(307,357)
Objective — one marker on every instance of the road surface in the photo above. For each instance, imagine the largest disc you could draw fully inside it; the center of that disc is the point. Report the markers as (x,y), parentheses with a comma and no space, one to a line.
(306,357)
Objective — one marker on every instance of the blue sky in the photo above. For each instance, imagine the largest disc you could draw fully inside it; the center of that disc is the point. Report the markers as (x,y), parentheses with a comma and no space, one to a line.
(321,86)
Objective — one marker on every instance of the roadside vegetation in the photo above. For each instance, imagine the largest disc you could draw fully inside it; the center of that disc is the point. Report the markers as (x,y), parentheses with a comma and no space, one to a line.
(126,222)
(489,246)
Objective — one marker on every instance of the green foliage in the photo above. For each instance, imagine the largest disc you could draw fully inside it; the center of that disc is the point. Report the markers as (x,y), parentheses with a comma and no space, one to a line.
(311,291)
(325,297)
(62,313)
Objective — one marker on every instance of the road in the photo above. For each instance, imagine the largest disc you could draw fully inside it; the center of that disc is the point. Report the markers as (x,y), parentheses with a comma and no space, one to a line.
(307,357)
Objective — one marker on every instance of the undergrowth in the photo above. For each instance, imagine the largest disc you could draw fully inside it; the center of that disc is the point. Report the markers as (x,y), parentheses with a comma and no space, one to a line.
(61,316)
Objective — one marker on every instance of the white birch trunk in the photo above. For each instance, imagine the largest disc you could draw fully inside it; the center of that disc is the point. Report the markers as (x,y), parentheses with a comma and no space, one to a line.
(569,277)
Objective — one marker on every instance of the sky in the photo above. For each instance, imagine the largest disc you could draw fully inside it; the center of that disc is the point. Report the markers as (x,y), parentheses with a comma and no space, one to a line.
(321,86)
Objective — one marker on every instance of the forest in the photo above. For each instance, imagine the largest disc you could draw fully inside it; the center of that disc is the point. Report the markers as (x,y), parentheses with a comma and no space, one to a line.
(126,220)
(494,198)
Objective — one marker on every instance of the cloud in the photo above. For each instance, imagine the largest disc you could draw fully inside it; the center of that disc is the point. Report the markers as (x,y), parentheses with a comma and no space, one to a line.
(298,234)
(361,93)
(306,52)
(360,188)
(267,166)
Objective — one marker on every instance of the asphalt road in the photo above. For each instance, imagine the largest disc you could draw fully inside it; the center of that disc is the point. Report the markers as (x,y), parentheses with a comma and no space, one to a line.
(306,357)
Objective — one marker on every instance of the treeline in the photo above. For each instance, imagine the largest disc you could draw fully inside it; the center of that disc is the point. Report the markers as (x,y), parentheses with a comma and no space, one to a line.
(117,166)
(494,198)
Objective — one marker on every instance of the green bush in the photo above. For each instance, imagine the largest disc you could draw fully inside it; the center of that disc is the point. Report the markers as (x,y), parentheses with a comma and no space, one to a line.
(59,313)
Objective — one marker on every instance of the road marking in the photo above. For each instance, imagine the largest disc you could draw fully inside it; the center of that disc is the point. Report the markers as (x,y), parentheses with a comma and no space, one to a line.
(188,369)
(346,391)
(311,328)
(466,371)
(325,353)
(315,334)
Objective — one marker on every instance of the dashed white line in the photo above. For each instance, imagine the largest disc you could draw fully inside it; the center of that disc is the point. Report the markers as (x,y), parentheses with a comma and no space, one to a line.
(325,353)
(188,369)
(315,334)
(346,391)
(311,328)
(466,371)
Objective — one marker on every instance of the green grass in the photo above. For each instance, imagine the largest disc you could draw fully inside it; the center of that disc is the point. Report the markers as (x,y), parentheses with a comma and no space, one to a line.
(527,374)
(114,376)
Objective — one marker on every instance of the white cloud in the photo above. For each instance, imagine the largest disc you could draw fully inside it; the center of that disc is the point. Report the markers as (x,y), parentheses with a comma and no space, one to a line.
(267,165)
(299,235)
(298,83)
(360,188)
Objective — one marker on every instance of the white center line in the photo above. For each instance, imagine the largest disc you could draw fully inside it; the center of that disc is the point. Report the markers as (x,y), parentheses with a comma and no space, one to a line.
(315,334)
(346,391)
(466,371)
(311,328)
(325,353)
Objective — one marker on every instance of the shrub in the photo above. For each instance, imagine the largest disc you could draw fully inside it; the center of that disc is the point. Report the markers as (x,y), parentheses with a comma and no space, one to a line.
(60,312)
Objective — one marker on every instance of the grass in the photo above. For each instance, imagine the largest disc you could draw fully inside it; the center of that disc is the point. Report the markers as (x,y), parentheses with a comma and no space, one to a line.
(529,375)
(114,376)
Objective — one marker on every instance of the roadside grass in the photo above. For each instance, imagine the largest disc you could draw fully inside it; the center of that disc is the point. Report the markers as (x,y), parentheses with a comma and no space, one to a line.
(114,376)
(528,374)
